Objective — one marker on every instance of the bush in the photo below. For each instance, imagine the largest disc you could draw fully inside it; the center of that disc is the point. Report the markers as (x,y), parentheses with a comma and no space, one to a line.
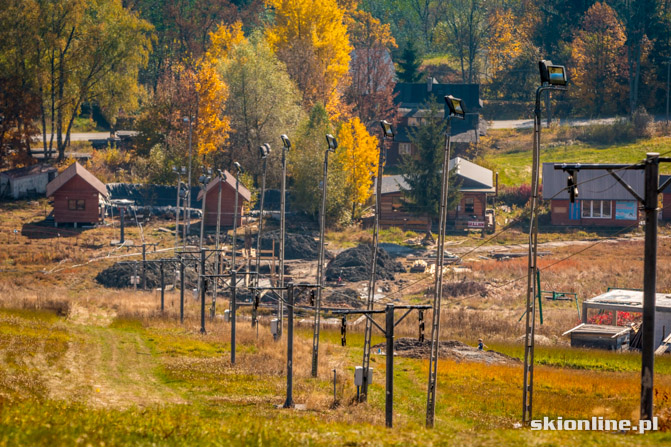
(643,123)
(515,195)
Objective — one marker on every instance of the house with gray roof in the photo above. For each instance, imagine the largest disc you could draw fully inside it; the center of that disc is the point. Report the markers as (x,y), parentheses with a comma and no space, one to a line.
(601,200)
(476,184)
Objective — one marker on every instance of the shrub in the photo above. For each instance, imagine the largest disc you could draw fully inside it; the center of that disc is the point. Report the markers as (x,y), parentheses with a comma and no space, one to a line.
(643,123)
(515,195)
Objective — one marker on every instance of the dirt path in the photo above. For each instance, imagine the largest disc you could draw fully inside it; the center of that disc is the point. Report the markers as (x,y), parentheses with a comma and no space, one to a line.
(105,367)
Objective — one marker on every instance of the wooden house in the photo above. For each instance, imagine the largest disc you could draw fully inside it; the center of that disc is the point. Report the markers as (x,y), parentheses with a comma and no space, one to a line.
(411,101)
(78,196)
(601,200)
(476,185)
(227,201)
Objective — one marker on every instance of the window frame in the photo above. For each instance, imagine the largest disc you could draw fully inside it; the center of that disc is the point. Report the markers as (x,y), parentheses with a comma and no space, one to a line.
(588,210)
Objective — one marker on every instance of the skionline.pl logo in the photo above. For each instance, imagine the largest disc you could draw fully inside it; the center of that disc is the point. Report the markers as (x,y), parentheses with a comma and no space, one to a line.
(596,424)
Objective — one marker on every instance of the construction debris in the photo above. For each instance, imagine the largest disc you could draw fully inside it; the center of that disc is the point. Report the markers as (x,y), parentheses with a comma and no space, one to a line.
(448,349)
(354,265)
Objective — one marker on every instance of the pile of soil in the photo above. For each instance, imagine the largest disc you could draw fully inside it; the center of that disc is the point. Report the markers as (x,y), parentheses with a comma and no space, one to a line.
(449,349)
(354,265)
(296,246)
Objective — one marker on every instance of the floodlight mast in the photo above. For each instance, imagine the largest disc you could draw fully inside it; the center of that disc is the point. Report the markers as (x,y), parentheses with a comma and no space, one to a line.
(286,142)
(217,263)
(332,145)
(204,180)
(234,270)
(553,77)
(264,152)
(455,109)
(387,133)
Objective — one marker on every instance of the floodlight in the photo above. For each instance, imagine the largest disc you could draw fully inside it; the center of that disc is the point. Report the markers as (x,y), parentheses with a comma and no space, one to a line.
(238,167)
(552,74)
(332,142)
(264,150)
(183,169)
(456,106)
(286,141)
(174,169)
(387,130)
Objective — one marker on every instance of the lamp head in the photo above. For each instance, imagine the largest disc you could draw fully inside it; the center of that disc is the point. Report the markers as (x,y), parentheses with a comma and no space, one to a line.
(456,106)
(238,167)
(286,141)
(332,142)
(387,130)
(552,74)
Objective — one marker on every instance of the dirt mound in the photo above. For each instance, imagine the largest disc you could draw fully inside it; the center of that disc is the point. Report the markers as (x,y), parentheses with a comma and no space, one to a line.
(354,265)
(119,275)
(296,246)
(449,349)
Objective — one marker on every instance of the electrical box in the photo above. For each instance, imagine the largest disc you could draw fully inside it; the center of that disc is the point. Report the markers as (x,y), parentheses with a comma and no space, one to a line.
(358,376)
(227,316)
(274,326)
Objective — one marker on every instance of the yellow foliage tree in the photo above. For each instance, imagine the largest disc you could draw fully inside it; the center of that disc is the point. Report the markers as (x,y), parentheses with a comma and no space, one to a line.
(505,41)
(310,37)
(358,156)
(212,125)
(223,39)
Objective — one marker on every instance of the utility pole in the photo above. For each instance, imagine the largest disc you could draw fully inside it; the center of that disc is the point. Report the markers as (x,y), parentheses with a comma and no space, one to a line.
(668,84)
(283,191)
(144,266)
(181,290)
(203,290)
(553,77)
(217,259)
(387,132)
(179,173)
(289,402)
(162,289)
(187,228)
(332,145)
(204,180)
(234,281)
(456,108)
(264,151)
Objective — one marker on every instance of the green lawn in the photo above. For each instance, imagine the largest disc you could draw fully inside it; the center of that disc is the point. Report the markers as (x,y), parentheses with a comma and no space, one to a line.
(514,166)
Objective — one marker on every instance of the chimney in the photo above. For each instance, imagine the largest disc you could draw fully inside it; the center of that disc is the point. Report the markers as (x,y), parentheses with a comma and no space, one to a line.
(429,84)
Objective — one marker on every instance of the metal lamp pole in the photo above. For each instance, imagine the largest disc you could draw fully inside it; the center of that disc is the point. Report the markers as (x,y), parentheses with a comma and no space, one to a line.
(553,77)
(456,108)
(280,308)
(217,264)
(387,132)
(204,181)
(332,146)
(187,227)
(179,188)
(234,283)
(264,151)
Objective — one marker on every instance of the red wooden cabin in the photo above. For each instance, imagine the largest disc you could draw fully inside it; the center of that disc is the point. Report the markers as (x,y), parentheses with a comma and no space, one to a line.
(227,201)
(78,196)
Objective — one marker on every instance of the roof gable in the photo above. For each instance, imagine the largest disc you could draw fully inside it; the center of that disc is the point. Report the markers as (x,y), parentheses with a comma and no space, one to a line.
(230,181)
(75,170)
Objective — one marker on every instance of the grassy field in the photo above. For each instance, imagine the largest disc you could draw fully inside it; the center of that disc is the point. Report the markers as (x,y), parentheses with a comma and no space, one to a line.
(85,365)
(68,381)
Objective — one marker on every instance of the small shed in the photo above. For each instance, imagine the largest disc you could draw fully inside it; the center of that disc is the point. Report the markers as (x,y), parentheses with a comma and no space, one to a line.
(30,181)
(601,336)
(227,200)
(78,196)
(622,300)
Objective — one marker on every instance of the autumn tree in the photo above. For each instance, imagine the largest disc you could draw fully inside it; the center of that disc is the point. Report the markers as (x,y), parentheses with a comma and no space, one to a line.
(371,90)
(306,161)
(358,156)
(598,62)
(263,103)
(311,38)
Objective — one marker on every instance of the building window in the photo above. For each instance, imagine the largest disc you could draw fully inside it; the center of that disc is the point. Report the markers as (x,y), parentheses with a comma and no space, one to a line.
(396,203)
(76,205)
(596,209)
(404,148)
(469,205)
(413,122)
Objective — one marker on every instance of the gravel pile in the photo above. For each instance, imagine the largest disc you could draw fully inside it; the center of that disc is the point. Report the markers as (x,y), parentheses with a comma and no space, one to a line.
(354,265)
